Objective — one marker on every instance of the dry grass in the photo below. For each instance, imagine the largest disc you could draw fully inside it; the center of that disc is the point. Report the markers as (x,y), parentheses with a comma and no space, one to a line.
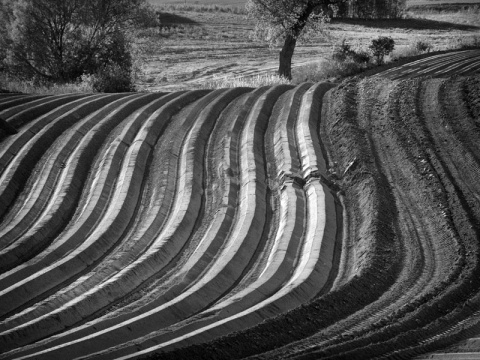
(212,8)
(13,84)
(196,42)
(245,81)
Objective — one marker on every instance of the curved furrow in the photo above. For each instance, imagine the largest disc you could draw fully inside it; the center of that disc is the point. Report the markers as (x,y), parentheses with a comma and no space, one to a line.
(103,271)
(418,274)
(327,253)
(467,65)
(241,310)
(285,149)
(93,220)
(21,116)
(35,208)
(6,129)
(371,227)
(279,261)
(442,65)
(75,176)
(459,99)
(275,144)
(25,149)
(155,203)
(7,102)
(473,68)
(449,69)
(237,252)
(46,154)
(443,290)
(223,174)
(317,221)
(186,274)
(9,96)
(309,273)
(90,214)
(189,165)
(445,121)
(138,118)
(421,63)
(77,137)
(27,112)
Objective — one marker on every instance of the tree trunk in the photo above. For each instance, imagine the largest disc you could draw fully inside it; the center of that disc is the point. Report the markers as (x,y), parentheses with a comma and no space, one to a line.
(286,54)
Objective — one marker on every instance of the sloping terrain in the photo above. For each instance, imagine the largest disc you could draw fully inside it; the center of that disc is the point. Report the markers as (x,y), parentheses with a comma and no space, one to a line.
(281,222)
(455,63)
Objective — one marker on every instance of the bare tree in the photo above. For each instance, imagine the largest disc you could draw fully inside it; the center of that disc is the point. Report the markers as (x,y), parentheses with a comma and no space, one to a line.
(288,19)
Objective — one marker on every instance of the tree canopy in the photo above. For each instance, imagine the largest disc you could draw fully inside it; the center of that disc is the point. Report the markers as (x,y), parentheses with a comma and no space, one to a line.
(288,19)
(63,39)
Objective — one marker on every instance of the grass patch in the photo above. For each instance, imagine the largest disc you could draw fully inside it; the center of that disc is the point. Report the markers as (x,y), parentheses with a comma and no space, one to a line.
(328,70)
(200,8)
(13,84)
(245,81)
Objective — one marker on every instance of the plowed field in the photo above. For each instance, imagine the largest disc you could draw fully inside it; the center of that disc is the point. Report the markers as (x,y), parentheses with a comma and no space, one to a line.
(307,222)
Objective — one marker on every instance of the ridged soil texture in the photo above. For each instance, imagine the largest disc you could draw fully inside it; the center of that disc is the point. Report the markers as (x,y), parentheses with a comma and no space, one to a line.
(311,221)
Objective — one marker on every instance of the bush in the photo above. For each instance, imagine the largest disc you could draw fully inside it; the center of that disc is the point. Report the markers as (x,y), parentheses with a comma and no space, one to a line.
(89,37)
(422,46)
(113,78)
(361,57)
(381,47)
(344,52)
(417,48)
(327,70)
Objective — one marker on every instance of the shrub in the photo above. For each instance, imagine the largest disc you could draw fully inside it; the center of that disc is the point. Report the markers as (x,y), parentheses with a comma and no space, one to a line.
(327,70)
(465,43)
(88,36)
(381,47)
(113,78)
(361,57)
(421,46)
(344,52)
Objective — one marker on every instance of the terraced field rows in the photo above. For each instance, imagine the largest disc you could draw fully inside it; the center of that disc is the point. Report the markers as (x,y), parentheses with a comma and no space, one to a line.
(158,218)
(281,222)
(465,62)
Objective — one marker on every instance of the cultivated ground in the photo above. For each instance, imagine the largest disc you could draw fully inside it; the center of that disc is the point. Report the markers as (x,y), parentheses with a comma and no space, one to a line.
(196,48)
(312,221)
(315,221)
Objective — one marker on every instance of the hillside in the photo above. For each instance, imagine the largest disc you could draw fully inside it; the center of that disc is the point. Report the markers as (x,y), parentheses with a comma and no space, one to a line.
(324,220)
(243,2)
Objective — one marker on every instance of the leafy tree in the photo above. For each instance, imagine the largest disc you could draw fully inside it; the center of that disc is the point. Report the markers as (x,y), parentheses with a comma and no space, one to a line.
(381,47)
(60,40)
(288,20)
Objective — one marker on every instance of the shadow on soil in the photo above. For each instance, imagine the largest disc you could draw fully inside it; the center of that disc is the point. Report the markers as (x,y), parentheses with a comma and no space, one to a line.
(167,19)
(414,24)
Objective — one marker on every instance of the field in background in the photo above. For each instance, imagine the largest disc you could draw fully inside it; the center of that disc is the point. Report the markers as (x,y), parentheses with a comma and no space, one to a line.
(194,48)
(243,2)
(206,2)
(205,44)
